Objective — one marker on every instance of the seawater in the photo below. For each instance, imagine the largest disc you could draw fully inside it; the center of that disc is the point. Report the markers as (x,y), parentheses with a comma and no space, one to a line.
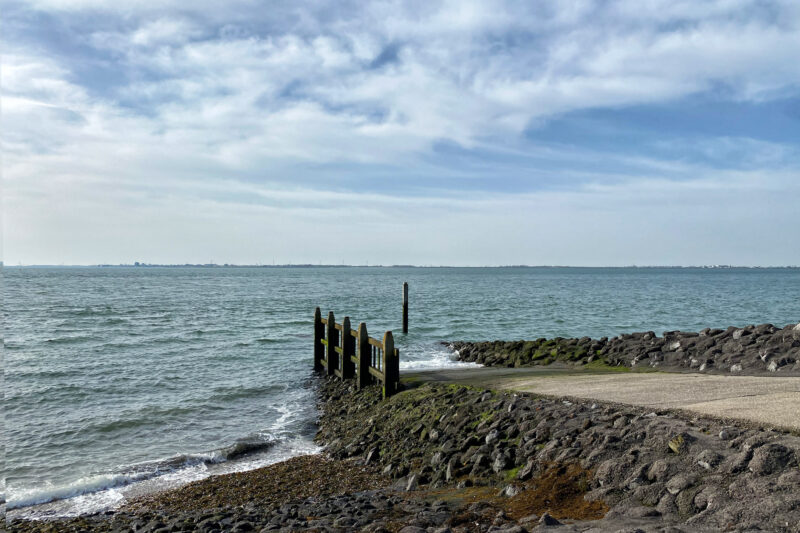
(120,381)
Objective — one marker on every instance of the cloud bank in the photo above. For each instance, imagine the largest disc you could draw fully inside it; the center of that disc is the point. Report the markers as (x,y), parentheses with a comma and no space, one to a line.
(588,133)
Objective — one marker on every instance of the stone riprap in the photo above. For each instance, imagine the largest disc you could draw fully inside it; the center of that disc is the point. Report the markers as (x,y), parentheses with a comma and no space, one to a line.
(763,349)
(448,458)
(659,468)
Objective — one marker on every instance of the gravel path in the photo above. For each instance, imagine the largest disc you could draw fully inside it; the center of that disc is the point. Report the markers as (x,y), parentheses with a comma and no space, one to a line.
(773,401)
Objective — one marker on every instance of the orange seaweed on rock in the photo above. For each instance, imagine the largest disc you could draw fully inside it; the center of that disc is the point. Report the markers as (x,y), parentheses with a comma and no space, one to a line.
(560,491)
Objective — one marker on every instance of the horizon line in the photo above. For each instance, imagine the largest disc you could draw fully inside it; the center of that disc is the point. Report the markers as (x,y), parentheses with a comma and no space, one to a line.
(330,265)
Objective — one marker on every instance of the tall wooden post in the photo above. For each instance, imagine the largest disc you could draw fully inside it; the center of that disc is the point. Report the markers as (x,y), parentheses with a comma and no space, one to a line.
(348,350)
(319,334)
(391,366)
(333,342)
(364,356)
(405,307)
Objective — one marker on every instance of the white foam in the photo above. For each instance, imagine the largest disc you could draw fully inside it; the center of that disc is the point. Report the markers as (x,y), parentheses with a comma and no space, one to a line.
(434,359)
(98,493)
(79,487)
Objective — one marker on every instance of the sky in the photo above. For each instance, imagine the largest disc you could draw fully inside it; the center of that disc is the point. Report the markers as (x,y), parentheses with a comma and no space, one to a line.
(569,132)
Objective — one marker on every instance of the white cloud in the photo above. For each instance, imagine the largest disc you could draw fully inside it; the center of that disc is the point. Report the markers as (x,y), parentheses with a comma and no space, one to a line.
(221,122)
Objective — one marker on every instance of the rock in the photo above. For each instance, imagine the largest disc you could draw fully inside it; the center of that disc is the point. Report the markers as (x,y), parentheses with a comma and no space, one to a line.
(680,482)
(770,458)
(492,437)
(510,491)
(660,470)
(372,456)
(413,529)
(737,462)
(736,368)
(412,483)
(527,471)
(725,434)
(679,443)
(501,462)
(547,520)
(344,522)
(666,505)
(620,422)
(708,459)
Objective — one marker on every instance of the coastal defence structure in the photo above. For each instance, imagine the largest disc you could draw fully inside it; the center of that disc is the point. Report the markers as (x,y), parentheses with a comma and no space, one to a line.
(353,354)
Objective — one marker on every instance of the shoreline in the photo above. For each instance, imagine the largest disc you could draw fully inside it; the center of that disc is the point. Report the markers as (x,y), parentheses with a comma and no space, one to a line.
(442,456)
(444,448)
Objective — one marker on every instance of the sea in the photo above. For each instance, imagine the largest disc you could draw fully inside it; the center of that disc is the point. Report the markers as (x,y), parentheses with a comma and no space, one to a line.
(120,381)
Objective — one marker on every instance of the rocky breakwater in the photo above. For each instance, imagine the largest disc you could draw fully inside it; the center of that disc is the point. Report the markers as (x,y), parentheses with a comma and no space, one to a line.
(539,463)
(763,349)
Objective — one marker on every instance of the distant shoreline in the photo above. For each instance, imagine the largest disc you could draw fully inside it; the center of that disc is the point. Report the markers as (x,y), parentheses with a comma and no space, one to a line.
(308,265)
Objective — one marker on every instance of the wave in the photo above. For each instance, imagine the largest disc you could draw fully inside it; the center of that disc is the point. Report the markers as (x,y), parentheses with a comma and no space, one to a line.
(236,393)
(269,341)
(434,358)
(140,472)
(71,340)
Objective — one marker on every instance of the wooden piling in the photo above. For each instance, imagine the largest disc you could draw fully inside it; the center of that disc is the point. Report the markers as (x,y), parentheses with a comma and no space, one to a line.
(319,334)
(347,353)
(364,355)
(333,342)
(405,307)
(391,366)
(348,350)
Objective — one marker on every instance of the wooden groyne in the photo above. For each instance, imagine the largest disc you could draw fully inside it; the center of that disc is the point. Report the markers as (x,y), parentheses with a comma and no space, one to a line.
(348,353)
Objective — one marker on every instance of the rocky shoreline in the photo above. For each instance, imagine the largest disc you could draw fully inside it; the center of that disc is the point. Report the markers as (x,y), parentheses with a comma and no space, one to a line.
(440,458)
(763,349)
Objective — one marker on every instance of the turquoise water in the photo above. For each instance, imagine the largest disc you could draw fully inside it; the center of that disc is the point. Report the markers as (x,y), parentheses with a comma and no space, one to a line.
(123,380)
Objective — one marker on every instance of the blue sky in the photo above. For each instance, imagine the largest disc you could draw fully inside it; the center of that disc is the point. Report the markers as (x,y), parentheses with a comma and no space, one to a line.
(462,133)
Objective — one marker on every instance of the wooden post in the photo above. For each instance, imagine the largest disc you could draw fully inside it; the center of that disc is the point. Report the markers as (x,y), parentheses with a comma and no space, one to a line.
(391,367)
(405,307)
(319,334)
(364,356)
(348,350)
(333,342)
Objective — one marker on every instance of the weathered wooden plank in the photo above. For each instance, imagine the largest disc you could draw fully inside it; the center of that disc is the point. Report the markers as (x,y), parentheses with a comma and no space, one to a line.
(375,342)
(377,373)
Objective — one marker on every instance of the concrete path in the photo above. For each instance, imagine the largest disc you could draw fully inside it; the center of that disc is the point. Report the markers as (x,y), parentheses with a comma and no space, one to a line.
(772,401)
